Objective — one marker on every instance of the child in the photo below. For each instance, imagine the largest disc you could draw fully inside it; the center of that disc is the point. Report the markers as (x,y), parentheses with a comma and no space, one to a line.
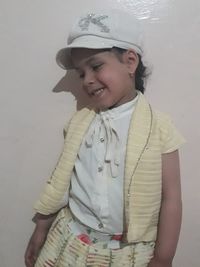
(114,197)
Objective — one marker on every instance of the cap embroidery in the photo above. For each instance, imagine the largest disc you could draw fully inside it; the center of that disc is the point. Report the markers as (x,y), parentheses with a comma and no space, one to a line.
(85,22)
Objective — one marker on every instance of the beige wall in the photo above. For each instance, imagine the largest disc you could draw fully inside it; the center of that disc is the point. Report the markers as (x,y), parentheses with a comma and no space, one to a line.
(32,116)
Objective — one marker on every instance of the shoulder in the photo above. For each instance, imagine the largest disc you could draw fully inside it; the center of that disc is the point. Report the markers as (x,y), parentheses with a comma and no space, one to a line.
(163,129)
(163,120)
(170,137)
(79,118)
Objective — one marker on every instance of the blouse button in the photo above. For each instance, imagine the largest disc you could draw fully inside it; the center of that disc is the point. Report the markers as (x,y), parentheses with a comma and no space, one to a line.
(100,168)
(100,225)
(102,139)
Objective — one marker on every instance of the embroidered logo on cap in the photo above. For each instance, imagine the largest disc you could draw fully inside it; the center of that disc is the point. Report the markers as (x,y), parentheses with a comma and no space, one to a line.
(84,23)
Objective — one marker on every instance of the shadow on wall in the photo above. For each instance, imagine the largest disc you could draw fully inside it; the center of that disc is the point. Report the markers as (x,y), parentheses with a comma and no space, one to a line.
(71,83)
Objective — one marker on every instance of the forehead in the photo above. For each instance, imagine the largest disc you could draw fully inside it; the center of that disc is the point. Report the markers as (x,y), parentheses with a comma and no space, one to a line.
(84,55)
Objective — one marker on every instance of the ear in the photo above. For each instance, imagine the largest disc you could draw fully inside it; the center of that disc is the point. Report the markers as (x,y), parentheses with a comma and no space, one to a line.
(131,59)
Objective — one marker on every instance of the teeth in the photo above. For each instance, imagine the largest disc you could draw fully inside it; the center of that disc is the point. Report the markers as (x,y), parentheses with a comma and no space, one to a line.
(98,91)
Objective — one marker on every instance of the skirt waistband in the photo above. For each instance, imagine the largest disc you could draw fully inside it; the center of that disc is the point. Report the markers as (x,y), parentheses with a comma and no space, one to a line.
(64,248)
(93,237)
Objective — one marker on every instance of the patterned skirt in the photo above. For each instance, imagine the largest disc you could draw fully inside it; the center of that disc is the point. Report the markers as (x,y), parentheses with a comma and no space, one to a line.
(63,248)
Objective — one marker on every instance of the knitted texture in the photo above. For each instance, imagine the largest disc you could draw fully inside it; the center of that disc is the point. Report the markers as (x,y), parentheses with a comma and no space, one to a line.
(150,134)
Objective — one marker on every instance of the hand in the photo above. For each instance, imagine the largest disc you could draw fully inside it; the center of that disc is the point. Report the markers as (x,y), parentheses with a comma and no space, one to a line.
(158,263)
(43,224)
(35,244)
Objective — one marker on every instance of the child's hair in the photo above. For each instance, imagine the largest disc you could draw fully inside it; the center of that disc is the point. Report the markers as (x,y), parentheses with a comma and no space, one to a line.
(141,72)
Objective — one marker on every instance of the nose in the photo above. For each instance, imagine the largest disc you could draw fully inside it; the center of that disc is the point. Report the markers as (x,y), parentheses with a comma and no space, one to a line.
(89,78)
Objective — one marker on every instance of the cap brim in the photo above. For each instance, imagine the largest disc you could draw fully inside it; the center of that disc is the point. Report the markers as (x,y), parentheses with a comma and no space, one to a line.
(63,57)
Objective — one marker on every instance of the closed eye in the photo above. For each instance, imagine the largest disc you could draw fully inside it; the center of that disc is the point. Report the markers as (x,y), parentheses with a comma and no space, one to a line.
(81,75)
(96,66)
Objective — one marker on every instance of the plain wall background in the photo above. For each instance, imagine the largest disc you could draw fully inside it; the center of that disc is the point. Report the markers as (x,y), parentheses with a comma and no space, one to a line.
(32,116)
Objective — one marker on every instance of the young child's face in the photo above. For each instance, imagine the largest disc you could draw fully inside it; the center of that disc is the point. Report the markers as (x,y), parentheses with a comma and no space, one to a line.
(105,78)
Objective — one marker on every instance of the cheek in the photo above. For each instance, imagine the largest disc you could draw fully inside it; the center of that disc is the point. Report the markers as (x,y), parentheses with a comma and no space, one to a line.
(109,78)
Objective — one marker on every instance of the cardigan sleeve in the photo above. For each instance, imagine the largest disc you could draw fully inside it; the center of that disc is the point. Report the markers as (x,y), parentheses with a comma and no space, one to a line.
(52,198)
(170,137)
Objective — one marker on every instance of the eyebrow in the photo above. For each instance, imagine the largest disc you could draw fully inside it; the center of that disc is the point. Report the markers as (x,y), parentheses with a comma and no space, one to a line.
(91,59)
(87,62)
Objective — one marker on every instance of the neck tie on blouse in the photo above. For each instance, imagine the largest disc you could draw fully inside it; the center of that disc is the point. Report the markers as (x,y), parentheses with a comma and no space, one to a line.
(104,129)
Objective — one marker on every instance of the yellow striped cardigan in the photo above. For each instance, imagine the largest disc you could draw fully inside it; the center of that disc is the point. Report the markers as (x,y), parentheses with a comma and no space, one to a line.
(150,134)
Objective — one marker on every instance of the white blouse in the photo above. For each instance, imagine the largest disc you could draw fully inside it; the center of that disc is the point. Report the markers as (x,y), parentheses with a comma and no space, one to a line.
(96,192)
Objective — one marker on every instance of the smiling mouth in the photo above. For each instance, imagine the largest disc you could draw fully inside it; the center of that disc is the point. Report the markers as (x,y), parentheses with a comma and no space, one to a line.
(96,92)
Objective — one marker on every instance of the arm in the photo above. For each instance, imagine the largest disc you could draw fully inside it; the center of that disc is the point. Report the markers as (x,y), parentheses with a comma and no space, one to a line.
(43,223)
(170,213)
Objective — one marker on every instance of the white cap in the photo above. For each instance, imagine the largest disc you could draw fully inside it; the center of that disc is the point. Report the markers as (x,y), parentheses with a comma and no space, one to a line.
(100,31)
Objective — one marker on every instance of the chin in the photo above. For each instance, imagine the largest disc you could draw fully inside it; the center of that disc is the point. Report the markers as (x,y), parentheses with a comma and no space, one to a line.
(105,103)
(104,106)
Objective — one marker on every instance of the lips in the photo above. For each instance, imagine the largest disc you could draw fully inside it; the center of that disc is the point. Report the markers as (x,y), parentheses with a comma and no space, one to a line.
(96,92)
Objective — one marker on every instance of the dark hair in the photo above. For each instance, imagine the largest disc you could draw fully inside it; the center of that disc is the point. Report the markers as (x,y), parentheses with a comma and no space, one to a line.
(141,72)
